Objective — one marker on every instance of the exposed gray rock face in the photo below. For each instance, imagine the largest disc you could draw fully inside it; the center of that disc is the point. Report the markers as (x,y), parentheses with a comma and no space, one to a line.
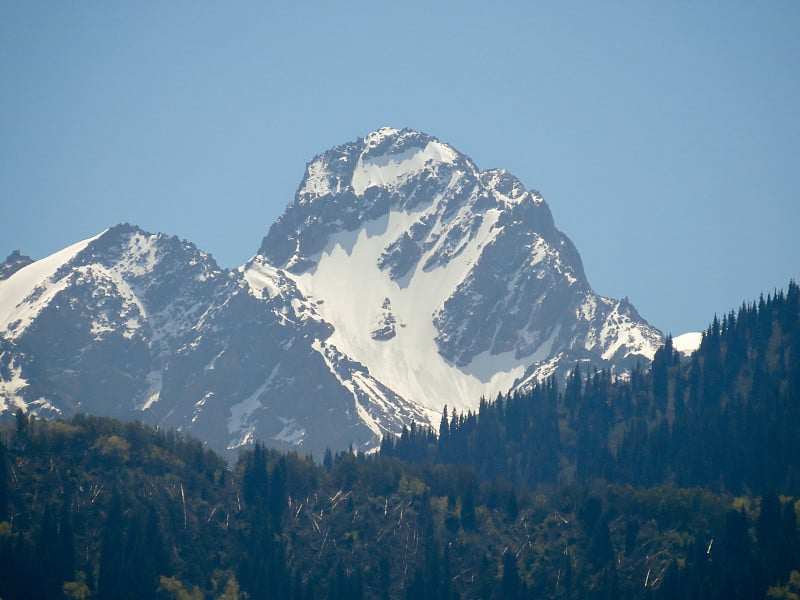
(400,279)
(13,263)
(386,324)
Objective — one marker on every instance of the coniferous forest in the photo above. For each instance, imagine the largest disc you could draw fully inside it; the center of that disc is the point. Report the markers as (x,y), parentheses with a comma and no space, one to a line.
(679,480)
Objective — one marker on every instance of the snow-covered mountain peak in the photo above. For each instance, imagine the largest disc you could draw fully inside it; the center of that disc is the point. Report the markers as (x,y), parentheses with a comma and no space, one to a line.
(439,277)
(389,141)
(397,166)
(384,158)
(375,138)
(124,277)
(403,171)
(25,293)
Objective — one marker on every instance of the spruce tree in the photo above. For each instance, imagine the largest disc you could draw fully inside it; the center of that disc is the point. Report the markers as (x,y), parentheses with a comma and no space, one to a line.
(111,577)
(4,486)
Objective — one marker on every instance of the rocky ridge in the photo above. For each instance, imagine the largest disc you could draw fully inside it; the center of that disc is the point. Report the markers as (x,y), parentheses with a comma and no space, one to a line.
(401,278)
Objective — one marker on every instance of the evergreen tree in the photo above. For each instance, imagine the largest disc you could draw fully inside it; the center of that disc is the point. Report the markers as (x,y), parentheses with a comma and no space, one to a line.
(385,578)
(66,543)
(510,587)
(47,567)
(4,486)
(512,507)
(111,583)
(23,423)
(468,509)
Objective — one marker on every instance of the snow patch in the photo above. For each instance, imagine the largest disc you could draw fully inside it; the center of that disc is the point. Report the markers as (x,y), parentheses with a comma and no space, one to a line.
(262,278)
(375,138)
(317,180)
(141,256)
(239,423)
(11,389)
(213,362)
(198,406)
(389,170)
(619,331)
(546,348)
(42,406)
(154,383)
(687,342)
(541,372)
(28,291)
(292,433)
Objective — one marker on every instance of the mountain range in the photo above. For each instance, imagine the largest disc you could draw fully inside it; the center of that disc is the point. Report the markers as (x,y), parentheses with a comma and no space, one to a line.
(400,279)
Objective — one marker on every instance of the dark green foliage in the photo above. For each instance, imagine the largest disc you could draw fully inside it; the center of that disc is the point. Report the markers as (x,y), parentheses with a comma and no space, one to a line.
(511,586)
(726,418)
(3,483)
(106,506)
(678,482)
(112,567)
(139,518)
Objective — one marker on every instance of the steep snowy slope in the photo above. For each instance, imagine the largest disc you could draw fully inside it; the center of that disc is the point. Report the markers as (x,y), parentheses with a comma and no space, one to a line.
(447,283)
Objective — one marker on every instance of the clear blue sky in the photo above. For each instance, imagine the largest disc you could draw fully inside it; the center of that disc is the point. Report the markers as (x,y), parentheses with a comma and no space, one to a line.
(665,136)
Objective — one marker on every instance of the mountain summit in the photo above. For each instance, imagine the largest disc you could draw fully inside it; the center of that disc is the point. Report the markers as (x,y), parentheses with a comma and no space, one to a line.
(446,282)
(400,278)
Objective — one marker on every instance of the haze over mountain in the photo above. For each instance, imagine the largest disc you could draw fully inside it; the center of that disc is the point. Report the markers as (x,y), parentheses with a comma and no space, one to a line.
(399,280)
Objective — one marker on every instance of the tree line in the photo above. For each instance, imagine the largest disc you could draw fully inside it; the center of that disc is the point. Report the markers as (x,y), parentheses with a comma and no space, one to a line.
(676,481)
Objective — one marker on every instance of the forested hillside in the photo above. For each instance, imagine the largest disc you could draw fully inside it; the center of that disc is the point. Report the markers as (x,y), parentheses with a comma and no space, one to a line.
(727,419)
(678,482)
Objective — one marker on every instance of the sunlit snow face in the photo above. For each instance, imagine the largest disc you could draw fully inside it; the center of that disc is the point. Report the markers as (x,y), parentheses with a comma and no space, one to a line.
(392,170)
(37,279)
